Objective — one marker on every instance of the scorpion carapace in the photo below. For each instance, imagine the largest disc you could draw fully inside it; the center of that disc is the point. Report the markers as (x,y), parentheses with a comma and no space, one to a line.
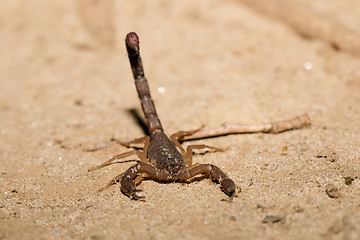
(162,159)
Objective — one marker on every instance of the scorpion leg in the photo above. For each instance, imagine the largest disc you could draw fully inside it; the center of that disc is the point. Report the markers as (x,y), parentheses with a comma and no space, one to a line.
(117,179)
(139,153)
(112,182)
(227,185)
(127,143)
(189,152)
(180,134)
(134,175)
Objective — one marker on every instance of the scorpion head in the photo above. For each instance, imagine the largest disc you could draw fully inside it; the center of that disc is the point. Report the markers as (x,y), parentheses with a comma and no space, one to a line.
(172,166)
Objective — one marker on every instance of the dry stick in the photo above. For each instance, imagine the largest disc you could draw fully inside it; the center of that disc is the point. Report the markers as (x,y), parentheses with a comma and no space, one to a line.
(274,127)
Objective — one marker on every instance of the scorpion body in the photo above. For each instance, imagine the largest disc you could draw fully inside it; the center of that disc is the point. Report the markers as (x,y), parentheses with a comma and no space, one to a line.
(162,159)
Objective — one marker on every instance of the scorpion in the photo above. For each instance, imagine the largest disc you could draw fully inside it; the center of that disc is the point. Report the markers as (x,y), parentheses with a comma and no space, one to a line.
(162,159)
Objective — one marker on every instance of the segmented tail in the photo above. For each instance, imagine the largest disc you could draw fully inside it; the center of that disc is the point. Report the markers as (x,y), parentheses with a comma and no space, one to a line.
(142,87)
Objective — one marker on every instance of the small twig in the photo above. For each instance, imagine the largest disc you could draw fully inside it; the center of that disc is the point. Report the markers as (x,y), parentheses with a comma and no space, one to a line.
(274,127)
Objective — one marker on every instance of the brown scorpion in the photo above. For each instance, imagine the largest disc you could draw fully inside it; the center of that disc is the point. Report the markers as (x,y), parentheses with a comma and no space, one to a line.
(162,159)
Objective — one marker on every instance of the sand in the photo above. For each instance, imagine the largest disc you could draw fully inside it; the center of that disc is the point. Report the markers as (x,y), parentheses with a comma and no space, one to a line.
(65,83)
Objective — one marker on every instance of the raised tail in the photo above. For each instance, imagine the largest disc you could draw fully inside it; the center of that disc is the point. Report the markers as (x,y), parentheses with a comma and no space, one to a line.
(132,46)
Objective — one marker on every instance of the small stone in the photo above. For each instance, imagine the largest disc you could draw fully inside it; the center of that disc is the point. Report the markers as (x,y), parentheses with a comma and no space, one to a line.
(298,209)
(272,219)
(233,218)
(332,191)
(348,180)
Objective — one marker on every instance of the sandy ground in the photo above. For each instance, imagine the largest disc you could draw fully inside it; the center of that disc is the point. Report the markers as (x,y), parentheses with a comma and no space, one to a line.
(65,83)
